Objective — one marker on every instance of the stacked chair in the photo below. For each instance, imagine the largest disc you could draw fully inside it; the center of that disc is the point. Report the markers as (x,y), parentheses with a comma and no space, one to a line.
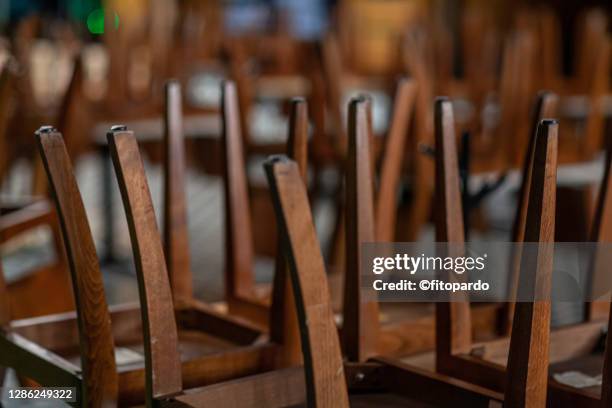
(315,334)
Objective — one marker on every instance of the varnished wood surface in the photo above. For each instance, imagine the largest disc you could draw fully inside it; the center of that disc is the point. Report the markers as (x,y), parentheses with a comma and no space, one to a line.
(279,388)
(392,161)
(238,233)
(360,311)
(545,107)
(97,349)
(325,381)
(162,361)
(527,370)
(176,238)
(453,321)
(286,329)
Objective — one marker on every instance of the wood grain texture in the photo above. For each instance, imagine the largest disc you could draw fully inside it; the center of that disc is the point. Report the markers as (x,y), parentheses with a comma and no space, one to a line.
(360,326)
(527,370)
(285,328)
(162,360)
(453,320)
(601,233)
(394,154)
(280,388)
(238,234)
(95,337)
(176,236)
(326,385)
(434,388)
(545,107)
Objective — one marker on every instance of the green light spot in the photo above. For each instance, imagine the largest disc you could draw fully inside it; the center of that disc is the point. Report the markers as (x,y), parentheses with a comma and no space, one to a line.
(95,21)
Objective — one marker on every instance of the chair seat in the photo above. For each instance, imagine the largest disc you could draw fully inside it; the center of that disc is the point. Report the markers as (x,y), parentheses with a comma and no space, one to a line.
(280,388)
(590,365)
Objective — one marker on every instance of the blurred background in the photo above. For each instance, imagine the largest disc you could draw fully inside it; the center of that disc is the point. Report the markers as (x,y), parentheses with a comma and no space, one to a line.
(84,65)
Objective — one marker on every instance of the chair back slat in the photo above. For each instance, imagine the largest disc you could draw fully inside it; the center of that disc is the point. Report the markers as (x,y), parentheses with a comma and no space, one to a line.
(453,320)
(162,360)
(527,369)
(545,107)
(238,234)
(601,234)
(360,313)
(95,335)
(297,143)
(325,380)
(286,329)
(602,227)
(386,199)
(176,235)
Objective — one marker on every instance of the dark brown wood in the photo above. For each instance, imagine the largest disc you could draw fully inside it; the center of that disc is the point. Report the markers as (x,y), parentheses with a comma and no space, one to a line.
(176,236)
(360,312)
(304,253)
(162,360)
(527,370)
(238,234)
(453,320)
(96,342)
(283,310)
(393,158)
(545,107)
(601,232)
(434,388)
(326,386)
(280,388)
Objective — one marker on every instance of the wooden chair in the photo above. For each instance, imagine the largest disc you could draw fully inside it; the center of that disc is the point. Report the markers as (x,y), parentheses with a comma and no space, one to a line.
(176,239)
(369,328)
(241,291)
(545,107)
(483,363)
(321,382)
(22,215)
(78,349)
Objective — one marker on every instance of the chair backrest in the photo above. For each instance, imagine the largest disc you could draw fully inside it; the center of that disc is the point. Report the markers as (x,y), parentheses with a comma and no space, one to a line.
(527,369)
(176,235)
(325,380)
(238,250)
(162,361)
(360,313)
(393,159)
(601,233)
(545,107)
(453,321)
(286,331)
(95,336)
